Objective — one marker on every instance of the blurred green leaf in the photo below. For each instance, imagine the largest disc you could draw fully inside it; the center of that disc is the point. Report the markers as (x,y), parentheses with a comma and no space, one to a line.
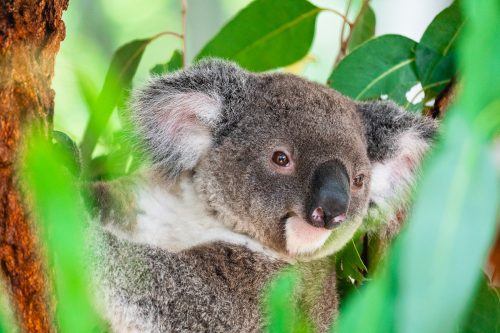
(381,66)
(435,54)
(280,305)
(439,256)
(376,302)
(266,34)
(110,166)
(118,79)
(7,317)
(484,316)
(69,150)
(445,250)
(58,209)
(172,65)
(364,29)
(87,90)
(122,159)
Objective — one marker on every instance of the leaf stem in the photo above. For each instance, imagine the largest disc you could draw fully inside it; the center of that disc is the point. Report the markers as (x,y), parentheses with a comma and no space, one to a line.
(344,42)
(184,14)
(169,33)
(339,14)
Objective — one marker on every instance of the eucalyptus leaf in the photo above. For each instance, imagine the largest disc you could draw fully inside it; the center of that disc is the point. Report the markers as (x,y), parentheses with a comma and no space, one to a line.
(435,54)
(118,79)
(175,63)
(445,244)
(351,264)
(59,212)
(435,266)
(87,90)
(266,34)
(381,66)
(484,315)
(377,300)
(68,149)
(280,306)
(364,28)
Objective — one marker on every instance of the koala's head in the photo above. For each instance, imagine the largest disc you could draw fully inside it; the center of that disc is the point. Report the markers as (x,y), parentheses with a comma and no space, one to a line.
(291,163)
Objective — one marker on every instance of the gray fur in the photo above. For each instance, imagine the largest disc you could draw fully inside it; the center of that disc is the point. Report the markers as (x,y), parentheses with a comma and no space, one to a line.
(384,120)
(236,120)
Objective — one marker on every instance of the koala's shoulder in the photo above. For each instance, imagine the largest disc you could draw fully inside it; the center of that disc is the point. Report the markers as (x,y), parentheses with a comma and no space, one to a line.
(155,288)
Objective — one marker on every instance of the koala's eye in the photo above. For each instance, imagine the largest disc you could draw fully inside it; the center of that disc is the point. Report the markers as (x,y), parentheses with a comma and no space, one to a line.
(281,159)
(359,180)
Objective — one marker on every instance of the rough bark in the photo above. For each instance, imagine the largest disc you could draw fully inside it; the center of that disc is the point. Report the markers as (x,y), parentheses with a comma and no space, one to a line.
(30,34)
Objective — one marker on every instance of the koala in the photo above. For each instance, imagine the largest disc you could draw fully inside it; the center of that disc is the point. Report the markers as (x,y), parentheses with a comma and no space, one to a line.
(246,175)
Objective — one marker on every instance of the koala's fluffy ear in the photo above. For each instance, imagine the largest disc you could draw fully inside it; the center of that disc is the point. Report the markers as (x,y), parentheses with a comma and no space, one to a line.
(397,141)
(175,115)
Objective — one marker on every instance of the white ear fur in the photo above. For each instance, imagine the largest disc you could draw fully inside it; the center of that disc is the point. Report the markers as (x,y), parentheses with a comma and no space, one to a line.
(394,177)
(176,127)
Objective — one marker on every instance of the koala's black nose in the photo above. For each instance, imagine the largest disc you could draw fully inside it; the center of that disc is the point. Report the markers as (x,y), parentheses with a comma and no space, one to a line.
(328,200)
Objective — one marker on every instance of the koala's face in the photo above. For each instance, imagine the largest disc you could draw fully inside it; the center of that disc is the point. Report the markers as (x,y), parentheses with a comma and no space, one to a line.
(294,166)
(284,160)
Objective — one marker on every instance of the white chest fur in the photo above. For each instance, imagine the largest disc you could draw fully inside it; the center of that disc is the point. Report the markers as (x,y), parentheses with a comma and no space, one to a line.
(177,220)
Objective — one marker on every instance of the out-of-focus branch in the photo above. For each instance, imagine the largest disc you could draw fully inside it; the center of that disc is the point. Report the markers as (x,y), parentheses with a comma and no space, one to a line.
(344,40)
(184,14)
(444,100)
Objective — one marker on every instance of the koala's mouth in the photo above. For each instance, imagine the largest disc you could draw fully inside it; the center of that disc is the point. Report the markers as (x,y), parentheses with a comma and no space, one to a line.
(302,237)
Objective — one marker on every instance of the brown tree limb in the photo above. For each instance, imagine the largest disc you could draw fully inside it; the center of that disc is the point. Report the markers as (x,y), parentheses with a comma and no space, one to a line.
(30,34)
(444,99)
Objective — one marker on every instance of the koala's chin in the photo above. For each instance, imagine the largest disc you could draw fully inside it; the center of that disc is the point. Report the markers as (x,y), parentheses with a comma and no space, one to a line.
(246,173)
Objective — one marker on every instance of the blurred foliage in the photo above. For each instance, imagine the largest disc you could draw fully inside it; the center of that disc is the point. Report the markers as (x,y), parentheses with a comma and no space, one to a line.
(60,214)
(484,315)
(433,269)
(118,81)
(283,316)
(175,63)
(428,281)
(6,316)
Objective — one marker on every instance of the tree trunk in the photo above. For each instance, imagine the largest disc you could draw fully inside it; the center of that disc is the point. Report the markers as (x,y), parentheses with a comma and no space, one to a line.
(30,34)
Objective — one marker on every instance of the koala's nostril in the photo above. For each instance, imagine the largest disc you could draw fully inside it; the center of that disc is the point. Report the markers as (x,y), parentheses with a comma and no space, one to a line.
(339,218)
(318,217)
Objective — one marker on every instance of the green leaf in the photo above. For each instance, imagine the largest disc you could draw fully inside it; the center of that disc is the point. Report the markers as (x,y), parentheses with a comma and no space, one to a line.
(172,65)
(87,90)
(438,258)
(7,316)
(442,256)
(118,79)
(350,263)
(376,300)
(364,29)
(484,316)
(280,305)
(435,54)
(381,66)
(266,34)
(68,149)
(122,160)
(59,212)
(417,107)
